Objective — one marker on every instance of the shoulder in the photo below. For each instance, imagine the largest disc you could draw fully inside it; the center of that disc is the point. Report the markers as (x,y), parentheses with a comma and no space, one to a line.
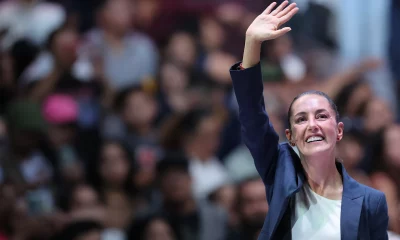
(52,8)
(288,151)
(141,39)
(374,200)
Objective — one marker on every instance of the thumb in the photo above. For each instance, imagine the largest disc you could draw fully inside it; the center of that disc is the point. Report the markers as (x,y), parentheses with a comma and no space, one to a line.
(281,32)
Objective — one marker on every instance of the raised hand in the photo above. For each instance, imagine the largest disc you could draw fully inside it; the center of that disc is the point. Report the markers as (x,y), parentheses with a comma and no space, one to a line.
(266,25)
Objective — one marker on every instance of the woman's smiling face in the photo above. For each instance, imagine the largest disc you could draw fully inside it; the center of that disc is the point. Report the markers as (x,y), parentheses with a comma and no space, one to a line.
(314,128)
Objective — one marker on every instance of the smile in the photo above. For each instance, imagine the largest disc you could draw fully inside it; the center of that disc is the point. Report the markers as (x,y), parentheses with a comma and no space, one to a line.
(314,139)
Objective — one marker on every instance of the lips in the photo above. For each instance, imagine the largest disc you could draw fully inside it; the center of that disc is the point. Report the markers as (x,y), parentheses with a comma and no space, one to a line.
(315,138)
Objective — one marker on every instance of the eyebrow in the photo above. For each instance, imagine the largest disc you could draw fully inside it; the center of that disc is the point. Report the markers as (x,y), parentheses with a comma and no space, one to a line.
(318,111)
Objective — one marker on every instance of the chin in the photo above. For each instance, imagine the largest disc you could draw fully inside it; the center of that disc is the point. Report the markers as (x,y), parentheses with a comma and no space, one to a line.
(317,150)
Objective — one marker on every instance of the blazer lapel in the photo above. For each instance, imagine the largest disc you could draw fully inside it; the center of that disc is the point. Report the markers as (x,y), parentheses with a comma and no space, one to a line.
(352,201)
(350,217)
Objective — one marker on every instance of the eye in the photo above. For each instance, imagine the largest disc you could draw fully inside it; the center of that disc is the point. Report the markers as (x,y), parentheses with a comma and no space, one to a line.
(322,116)
(300,119)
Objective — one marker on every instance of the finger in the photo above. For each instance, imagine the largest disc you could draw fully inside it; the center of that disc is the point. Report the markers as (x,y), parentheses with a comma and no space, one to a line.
(281,32)
(288,16)
(269,8)
(280,7)
(286,10)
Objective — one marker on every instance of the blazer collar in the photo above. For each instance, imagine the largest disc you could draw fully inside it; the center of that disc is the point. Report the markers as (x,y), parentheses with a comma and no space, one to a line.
(351,189)
(352,202)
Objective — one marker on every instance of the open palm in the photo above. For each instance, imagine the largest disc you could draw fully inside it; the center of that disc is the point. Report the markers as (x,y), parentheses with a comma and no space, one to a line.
(266,25)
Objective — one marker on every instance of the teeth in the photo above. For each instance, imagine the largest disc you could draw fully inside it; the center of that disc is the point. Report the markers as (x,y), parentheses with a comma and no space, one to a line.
(312,139)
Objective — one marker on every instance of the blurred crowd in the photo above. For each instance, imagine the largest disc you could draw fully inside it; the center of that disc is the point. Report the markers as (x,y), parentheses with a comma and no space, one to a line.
(118,120)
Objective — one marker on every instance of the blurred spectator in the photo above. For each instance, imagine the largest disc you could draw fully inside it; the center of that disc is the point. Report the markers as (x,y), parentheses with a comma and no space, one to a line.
(191,219)
(224,196)
(115,183)
(134,123)
(173,94)
(181,49)
(197,135)
(83,197)
(385,167)
(58,69)
(26,162)
(125,57)
(61,114)
(377,115)
(252,209)
(351,149)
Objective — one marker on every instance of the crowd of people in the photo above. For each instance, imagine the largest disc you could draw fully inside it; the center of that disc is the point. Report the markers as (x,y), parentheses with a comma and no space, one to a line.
(118,119)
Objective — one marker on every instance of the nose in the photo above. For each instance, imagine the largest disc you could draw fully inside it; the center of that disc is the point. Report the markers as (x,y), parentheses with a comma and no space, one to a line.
(312,124)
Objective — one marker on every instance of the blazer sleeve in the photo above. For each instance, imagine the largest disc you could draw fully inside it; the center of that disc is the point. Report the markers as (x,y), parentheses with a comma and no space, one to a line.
(257,131)
(380,220)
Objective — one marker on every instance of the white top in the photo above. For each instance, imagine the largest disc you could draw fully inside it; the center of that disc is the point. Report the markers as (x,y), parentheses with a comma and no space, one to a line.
(207,175)
(315,217)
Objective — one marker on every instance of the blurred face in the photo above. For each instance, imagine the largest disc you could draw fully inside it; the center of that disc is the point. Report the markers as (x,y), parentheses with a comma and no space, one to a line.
(254,205)
(226,197)
(65,47)
(182,48)
(146,11)
(314,127)
(282,47)
(84,197)
(207,136)
(117,16)
(115,165)
(360,95)
(59,135)
(378,115)
(176,186)
(351,151)
(159,230)
(392,150)
(211,33)
(140,109)
(173,79)
(216,65)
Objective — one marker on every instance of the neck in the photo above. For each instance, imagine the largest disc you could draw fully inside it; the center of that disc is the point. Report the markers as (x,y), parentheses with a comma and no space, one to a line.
(115,41)
(195,152)
(181,207)
(323,177)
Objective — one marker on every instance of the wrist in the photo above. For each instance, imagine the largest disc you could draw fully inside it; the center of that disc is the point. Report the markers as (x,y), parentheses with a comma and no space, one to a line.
(251,39)
(251,55)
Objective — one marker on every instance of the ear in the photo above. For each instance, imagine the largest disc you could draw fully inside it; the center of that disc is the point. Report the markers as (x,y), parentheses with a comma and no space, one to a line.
(340,131)
(288,134)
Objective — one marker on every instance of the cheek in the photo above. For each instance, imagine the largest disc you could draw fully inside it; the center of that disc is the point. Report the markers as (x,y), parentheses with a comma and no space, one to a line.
(297,132)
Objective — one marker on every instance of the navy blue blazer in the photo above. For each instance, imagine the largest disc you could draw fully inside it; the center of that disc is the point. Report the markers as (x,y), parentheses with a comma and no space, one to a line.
(364,213)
